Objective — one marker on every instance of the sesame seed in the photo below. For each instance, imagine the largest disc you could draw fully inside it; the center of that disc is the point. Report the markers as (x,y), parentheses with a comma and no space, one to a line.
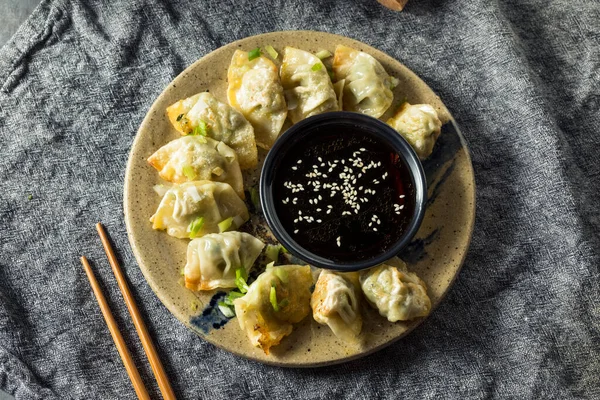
(320,198)
(319,221)
(375,229)
(328,211)
(401,207)
(299,212)
(402,196)
(294,168)
(299,161)
(320,159)
(296,221)
(378,222)
(363,149)
(296,231)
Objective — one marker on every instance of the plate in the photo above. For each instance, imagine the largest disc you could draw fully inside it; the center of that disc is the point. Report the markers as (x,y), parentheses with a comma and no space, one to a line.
(436,254)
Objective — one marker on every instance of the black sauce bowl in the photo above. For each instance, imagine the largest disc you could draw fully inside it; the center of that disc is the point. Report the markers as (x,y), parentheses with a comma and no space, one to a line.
(357,122)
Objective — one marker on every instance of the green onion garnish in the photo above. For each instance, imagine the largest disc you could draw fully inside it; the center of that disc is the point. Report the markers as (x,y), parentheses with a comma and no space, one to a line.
(255,198)
(282,274)
(189,172)
(283,249)
(225,224)
(323,54)
(272,252)
(252,54)
(317,67)
(240,279)
(195,226)
(231,297)
(271,52)
(182,272)
(30,197)
(201,129)
(179,117)
(226,310)
(273,298)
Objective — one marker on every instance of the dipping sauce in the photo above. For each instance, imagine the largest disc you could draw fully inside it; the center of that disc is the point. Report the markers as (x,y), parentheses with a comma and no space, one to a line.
(344,194)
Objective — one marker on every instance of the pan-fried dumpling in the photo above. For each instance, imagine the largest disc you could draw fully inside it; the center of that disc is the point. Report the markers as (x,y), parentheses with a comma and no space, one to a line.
(368,87)
(255,91)
(419,125)
(278,298)
(194,158)
(221,122)
(213,259)
(308,88)
(335,302)
(399,295)
(194,209)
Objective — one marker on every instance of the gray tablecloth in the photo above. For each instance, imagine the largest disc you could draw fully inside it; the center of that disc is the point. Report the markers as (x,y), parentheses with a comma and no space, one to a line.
(522,79)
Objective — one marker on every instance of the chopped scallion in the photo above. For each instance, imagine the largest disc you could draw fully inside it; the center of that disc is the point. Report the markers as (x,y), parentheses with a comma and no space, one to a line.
(273,298)
(240,279)
(272,52)
(255,198)
(283,249)
(252,54)
(189,172)
(272,252)
(201,129)
(282,274)
(232,296)
(317,67)
(323,54)
(195,226)
(226,310)
(225,224)
(394,82)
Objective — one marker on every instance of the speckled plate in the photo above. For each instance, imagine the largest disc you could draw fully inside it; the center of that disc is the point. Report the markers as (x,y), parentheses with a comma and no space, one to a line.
(436,254)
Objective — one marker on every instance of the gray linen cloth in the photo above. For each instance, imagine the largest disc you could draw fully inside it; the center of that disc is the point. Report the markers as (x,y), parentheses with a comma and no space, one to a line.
(522,79)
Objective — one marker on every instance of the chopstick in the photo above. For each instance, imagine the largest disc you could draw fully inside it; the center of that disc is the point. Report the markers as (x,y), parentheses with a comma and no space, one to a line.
(134,375)
(138,322)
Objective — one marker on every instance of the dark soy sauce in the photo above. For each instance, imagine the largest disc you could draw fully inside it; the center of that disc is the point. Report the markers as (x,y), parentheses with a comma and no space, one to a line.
(344,194)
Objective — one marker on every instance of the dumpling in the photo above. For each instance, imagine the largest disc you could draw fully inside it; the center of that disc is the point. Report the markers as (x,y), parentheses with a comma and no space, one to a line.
(419,125)
(368,87)
(399,295)
(213,259)
(194,209)
(222,123)
(308,88)
(278,298)
(254,90)
(335,302)
(194,158)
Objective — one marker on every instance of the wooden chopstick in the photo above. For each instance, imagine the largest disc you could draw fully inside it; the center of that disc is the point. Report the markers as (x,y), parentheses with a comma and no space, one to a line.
(132,371)
(138,322)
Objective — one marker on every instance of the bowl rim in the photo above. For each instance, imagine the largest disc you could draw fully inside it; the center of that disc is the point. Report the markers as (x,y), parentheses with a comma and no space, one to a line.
(382,131)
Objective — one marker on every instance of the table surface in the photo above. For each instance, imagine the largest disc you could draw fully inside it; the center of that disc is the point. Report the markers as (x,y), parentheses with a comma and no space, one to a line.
(15,12)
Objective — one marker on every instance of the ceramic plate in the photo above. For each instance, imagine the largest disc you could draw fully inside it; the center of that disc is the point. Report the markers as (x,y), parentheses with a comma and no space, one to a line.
(436,254)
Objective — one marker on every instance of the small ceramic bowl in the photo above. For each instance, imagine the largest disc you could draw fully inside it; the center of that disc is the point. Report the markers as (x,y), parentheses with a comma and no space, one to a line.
(338,121)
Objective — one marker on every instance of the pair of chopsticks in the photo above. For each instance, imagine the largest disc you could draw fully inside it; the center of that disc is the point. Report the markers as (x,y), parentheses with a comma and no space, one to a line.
(155,364)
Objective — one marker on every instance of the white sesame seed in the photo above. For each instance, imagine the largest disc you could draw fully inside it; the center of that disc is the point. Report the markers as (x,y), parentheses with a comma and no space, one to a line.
(295,200)
(299,161)
(328,211)
(296,231)
(363,149)
(402,196)
(401,207)
(320,198)
(343,161)
(322,164)
(310,201)
(319,221)
(376,182)
(378,222)
(375,229)
(299,212)
(294,168)
(320,159)
(296,221)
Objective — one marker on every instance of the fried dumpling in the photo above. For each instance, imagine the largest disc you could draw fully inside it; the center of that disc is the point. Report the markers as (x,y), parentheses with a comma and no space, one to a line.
(335,302)
(399,295)
(213,259)
(419,125)
(194,209)
(219,121)
(307,86)
(255,90)
(278,298)
(368,87)
(193,158)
